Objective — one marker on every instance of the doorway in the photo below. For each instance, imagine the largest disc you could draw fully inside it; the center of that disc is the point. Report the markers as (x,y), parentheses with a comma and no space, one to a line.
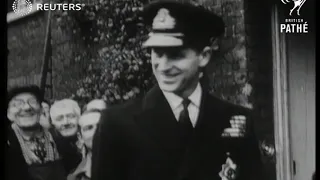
(294,95)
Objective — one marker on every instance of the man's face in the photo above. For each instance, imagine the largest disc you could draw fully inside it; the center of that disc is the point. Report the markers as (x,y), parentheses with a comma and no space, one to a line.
(24,109)
(176,68)
(66,122)
(88,125)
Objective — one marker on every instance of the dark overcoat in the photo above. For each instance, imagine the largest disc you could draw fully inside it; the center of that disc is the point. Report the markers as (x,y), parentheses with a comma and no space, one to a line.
(139,140)
(16,167)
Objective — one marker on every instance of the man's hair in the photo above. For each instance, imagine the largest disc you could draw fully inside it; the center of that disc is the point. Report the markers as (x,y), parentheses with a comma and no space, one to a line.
(32,89)
(62,104)
(94,110)
(99,104)
(197,43)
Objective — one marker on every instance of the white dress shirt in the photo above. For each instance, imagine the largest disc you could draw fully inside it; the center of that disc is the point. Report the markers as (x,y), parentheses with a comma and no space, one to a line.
(175,103)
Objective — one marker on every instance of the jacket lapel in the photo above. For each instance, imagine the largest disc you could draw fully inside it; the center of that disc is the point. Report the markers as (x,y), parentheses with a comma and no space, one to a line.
(157,120)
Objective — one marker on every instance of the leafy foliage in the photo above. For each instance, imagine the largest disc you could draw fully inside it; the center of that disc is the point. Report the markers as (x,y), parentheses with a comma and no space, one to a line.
(119,69)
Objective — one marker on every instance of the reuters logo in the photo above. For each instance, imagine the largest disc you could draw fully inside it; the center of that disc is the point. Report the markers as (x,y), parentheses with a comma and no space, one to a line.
(22,7)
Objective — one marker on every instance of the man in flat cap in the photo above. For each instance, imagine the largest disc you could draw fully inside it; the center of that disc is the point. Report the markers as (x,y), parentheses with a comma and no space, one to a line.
(177,131)
(33,152)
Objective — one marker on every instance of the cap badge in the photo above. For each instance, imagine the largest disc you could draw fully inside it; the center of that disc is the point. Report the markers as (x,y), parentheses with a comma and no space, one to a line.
(163,20)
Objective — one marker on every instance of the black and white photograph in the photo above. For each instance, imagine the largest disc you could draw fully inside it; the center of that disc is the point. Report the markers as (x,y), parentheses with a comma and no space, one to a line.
(160,90)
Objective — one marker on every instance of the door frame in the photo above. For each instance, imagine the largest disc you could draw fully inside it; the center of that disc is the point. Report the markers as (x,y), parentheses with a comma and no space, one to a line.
(280,98)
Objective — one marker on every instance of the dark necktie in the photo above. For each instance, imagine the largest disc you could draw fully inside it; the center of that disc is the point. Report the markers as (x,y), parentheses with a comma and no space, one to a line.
(185,124)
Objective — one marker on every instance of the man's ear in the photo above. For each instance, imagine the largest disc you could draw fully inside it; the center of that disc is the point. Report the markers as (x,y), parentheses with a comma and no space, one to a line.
(205,56)
(10,116)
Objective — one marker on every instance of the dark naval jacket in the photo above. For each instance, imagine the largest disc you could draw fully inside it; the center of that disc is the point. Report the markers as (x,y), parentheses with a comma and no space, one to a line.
(139,140)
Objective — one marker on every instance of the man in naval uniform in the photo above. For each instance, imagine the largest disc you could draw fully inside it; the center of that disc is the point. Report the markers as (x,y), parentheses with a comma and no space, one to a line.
(178,131)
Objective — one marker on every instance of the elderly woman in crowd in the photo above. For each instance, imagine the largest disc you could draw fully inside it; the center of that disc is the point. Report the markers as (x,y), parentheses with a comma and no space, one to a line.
(64,115)
(32,152)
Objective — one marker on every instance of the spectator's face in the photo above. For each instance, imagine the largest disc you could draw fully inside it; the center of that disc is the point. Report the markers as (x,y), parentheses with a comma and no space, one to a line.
(66,122)
(46,108)
(24,109)
(45,116)
(88,125)
(177,69)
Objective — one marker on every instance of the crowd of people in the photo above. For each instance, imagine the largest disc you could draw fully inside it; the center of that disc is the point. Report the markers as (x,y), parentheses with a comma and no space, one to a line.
(49,140)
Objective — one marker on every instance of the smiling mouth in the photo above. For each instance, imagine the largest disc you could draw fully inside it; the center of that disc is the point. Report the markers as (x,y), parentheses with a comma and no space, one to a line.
(170,75)
(68,128)
(26,115)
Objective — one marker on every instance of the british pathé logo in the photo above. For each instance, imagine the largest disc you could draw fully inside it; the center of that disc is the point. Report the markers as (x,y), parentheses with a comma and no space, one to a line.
(297,5)
(294,25)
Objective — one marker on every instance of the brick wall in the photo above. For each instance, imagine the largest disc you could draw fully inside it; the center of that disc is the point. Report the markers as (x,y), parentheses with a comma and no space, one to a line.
(228,71)
(26,38)
(25,45)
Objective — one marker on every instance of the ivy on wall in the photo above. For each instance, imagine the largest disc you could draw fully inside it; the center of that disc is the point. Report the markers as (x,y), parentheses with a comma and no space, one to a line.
(118,68)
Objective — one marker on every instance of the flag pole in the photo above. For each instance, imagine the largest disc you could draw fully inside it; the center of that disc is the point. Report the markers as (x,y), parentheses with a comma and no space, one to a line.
(47,53)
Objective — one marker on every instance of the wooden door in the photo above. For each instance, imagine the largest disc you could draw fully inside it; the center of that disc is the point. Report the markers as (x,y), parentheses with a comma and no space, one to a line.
(294,96)
(301,81)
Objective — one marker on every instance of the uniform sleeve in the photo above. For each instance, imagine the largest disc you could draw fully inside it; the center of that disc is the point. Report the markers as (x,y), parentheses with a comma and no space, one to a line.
(109,153)
(102,150)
